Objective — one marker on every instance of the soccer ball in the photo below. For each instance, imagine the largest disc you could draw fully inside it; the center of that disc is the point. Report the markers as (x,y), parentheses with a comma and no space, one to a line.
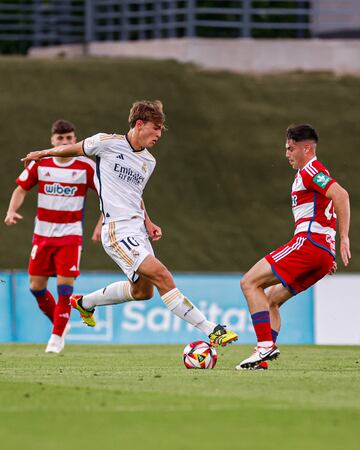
(199,355)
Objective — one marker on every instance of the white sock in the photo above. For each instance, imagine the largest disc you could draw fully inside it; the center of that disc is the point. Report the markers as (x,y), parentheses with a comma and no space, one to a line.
(113,294)
(265,344)
(183,308)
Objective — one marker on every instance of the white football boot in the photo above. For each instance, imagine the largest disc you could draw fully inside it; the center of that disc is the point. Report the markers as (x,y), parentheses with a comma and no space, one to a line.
(57,343)
(260,354)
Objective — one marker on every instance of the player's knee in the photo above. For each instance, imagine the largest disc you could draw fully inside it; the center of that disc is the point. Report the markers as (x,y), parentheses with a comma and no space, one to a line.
(163,279)
(36,286)
(245,284)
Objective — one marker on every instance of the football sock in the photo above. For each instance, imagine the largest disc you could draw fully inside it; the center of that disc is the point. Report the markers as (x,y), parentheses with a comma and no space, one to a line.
(46,302)
(113,294)
(62,310)
(183,308)
(261,323)
(274,335)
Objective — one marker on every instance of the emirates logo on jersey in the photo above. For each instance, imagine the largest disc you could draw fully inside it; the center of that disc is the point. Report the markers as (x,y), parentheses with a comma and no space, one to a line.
(129,175)
(57,189)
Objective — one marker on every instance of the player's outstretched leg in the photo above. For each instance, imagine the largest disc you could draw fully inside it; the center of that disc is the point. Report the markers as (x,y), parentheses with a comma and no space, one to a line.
(113,294)
(182,307)
(86,315)
(154,271)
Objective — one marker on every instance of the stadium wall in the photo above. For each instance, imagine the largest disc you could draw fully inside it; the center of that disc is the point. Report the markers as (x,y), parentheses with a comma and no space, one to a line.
(326,314)
(238,55)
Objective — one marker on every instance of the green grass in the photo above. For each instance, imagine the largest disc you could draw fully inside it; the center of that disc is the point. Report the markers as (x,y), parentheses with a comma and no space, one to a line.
(141,397)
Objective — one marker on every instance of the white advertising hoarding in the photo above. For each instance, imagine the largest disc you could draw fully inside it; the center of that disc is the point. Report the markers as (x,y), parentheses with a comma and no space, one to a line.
(337,310)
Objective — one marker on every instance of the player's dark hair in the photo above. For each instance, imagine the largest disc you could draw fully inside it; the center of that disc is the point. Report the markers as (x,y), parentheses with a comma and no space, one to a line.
(147,111)
(62,126)
(303,132)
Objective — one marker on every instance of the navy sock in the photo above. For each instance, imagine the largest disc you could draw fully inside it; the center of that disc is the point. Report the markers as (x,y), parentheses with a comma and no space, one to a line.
(274,334)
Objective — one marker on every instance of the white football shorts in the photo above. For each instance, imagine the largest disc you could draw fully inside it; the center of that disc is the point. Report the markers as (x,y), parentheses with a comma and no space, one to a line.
(127,243)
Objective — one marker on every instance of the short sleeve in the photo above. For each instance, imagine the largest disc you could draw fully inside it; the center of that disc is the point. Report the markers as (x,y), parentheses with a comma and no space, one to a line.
(93,145)
(29,176)
(319,182)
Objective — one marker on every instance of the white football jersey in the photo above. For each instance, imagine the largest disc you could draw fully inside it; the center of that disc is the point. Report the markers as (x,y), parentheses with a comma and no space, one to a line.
(121,175)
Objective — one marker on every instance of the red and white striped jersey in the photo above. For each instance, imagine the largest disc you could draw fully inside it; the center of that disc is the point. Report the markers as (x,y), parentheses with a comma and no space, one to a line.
(313,211)
(62,189)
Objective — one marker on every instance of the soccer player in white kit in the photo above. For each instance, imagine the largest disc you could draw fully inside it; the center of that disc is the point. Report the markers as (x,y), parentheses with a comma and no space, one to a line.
(123,168)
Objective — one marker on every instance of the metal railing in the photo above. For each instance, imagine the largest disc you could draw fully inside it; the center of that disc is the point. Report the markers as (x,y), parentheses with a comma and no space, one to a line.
(51,22)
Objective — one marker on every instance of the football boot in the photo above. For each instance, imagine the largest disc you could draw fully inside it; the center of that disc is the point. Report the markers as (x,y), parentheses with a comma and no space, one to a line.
(87,316)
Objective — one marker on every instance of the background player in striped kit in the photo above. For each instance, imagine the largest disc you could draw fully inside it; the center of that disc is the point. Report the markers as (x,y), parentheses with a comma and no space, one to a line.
(317,199)
(124,166)
(62,187)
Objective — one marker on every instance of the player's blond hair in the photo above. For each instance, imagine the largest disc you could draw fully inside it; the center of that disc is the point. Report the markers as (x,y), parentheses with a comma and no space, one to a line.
(147,111)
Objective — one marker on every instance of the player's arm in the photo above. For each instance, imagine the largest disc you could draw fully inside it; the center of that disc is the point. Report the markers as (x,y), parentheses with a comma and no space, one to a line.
(17,199)
(153,230)
(96,236)
(341,202)
(62,151)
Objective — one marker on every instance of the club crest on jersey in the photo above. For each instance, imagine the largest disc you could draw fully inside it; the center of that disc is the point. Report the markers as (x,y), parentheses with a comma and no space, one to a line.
(321,180)
(57,189)
(144,168)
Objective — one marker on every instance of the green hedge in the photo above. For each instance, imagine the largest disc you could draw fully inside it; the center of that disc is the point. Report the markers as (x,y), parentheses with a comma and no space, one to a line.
(221,190)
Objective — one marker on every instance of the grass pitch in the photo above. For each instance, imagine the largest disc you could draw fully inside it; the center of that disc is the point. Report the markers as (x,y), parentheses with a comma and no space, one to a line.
(142,397)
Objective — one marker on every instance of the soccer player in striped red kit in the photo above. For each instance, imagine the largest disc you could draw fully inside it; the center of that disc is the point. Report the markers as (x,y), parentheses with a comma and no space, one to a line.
(57,240)
(318,203)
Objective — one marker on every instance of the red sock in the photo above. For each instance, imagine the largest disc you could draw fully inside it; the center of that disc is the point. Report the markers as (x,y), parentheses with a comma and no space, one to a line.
(62,310)
(261,323)
(46,302)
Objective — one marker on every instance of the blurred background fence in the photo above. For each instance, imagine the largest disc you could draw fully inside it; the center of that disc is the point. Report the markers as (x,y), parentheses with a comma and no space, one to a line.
(36,23)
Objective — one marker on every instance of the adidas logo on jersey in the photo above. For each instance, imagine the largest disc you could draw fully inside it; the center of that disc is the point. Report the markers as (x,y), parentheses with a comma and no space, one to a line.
(120,156)
(57,189)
